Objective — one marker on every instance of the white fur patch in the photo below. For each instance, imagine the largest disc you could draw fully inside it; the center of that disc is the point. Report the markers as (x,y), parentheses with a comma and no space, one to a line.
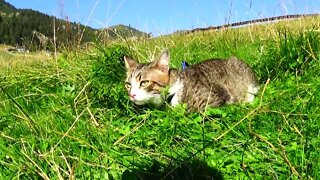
(176,90)
(251,92)
(143,97)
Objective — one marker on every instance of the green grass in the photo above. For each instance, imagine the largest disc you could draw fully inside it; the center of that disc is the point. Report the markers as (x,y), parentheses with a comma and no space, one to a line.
(10,60)
(71,118)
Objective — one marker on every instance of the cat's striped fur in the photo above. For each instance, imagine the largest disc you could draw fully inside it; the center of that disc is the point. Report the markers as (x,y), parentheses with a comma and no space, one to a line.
(210,83)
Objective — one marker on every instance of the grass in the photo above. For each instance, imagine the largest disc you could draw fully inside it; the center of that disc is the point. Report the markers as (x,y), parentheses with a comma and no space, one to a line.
(71,118)
(9,60)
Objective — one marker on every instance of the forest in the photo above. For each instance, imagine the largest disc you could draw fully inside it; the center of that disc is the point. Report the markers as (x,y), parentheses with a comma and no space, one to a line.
(33,30)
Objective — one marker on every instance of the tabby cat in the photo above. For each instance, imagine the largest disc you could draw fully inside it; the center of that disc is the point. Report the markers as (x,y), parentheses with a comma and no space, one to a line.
(212,83)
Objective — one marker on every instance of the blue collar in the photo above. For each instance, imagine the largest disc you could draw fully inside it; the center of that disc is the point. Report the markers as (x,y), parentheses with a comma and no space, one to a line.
(184,65)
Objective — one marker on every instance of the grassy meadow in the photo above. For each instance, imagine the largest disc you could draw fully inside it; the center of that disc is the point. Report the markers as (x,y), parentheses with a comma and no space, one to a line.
(70,118)
(10,60)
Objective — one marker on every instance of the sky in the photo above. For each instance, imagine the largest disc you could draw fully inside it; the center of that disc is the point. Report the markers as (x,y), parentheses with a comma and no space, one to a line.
(166,16)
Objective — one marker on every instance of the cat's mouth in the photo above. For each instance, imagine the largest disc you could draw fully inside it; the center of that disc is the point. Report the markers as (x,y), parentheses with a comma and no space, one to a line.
(139,102)
(154,101)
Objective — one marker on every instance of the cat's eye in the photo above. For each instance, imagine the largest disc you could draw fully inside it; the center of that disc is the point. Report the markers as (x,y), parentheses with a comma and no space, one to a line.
(128,85)
(144,83)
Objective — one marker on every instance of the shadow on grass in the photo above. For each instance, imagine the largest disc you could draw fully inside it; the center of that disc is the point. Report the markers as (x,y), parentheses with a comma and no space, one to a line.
(188,170)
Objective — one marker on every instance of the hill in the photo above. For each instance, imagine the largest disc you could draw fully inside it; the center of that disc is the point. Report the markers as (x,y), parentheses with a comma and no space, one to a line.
(35,30)
(248,22)
(6,8)
(71,118)
(123,31)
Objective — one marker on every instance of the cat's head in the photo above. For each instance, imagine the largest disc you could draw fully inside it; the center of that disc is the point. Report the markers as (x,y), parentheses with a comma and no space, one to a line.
(145,82)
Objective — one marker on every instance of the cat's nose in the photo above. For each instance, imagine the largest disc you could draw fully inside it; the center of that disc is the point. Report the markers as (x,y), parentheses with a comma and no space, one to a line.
(132,95)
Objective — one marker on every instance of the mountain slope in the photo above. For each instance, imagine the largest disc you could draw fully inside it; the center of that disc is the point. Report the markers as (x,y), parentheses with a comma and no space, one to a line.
(35,30)
(6,8)
(124,31)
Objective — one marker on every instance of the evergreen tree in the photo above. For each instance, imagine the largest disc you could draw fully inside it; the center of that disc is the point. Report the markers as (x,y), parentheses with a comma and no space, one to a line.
(17,26)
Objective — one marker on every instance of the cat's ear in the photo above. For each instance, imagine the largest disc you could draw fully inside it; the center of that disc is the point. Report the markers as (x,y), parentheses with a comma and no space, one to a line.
(163,62)
(130,63)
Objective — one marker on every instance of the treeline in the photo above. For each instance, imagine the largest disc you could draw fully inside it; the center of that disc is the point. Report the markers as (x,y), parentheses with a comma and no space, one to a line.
(33,30)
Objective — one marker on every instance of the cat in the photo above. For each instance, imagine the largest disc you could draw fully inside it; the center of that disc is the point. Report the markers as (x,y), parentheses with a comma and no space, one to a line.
(210,83)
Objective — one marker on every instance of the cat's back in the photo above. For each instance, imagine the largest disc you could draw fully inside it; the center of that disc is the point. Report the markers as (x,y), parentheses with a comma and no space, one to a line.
(201,85)
(219,70)
(209,70)
(225,81)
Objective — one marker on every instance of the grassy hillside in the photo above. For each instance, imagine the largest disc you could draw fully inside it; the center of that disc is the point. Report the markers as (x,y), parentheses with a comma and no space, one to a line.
(11,60)
(71,117)
(34,30)
(125,31)
(6,8)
